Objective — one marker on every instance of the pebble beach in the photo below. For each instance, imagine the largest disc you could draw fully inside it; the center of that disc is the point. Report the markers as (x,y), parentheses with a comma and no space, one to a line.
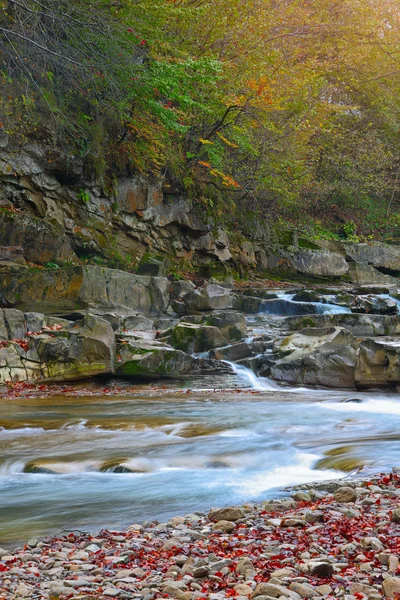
(330,540)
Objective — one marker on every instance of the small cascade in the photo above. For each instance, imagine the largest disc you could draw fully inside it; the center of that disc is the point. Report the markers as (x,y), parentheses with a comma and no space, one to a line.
(331,309)
(250,378)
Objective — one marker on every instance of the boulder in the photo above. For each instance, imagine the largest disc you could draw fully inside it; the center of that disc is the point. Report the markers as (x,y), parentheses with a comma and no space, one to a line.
(374,305)
(15,323)
(329,365)
(180,289)
(378,364)
(138,322)
(35,321)
(363,274)
(307,296)
(241,350)
(194,338)
(209,297)
(16,366)
(345,494)
(309,339)
(83,287)
(250,305)
(231,324)
(152,360)
(230,513)
(391,587)
(317,263)
(358,324)
(376,254)
(81,350)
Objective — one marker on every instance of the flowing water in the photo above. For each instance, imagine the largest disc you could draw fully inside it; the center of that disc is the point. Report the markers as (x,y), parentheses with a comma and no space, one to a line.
(109,461)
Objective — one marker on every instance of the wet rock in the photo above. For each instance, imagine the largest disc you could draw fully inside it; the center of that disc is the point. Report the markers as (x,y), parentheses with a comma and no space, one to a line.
(375,305)
(345,494)
(231,324)
(307,296)
(329,366)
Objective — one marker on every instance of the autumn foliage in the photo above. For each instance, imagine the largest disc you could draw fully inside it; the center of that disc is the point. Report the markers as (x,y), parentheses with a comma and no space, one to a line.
(282,108)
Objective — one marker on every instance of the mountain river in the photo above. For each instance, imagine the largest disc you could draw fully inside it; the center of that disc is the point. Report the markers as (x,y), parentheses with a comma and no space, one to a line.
(107,461)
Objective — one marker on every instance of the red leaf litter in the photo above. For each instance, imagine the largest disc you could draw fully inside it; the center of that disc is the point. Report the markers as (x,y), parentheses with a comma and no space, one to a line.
(341,540)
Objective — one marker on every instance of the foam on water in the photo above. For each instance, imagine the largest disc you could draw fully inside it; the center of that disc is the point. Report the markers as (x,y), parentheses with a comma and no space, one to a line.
(379,406)
(300,471)
(250,378)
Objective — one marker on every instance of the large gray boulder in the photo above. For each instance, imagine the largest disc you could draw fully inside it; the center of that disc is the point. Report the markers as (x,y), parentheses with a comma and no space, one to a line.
(83,287)
(376,254)
(317,263)
(328,366)
(378,364)
(80,351)
(364,274)
(231,324)
(193,338)
(209,297)
(150,360)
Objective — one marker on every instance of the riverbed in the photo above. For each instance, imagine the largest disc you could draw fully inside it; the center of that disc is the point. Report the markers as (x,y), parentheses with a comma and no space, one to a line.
(107,461)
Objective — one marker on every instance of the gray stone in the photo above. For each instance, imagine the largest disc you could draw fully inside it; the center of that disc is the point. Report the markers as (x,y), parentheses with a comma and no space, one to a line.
(84,349)
(378,364)
(345,494)
(318,263)
(226,514)
(391,587)
(82,288)
(209,297)
(141,359)
(15,323)
(138,323)
(35,321)
(193,338)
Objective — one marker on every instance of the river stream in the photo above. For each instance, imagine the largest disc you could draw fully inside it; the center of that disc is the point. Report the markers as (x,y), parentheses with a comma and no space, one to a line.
(107,461)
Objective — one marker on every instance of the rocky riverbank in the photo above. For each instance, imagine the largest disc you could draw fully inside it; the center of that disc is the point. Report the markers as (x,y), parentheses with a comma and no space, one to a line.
(64,325)
(330,540)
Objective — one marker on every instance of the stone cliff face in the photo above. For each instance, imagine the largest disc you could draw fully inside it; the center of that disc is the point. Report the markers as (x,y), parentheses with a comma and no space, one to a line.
(57,214)
(49,208)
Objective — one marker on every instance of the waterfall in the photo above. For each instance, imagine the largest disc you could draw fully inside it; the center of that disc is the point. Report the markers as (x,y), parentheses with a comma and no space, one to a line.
(250,378)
